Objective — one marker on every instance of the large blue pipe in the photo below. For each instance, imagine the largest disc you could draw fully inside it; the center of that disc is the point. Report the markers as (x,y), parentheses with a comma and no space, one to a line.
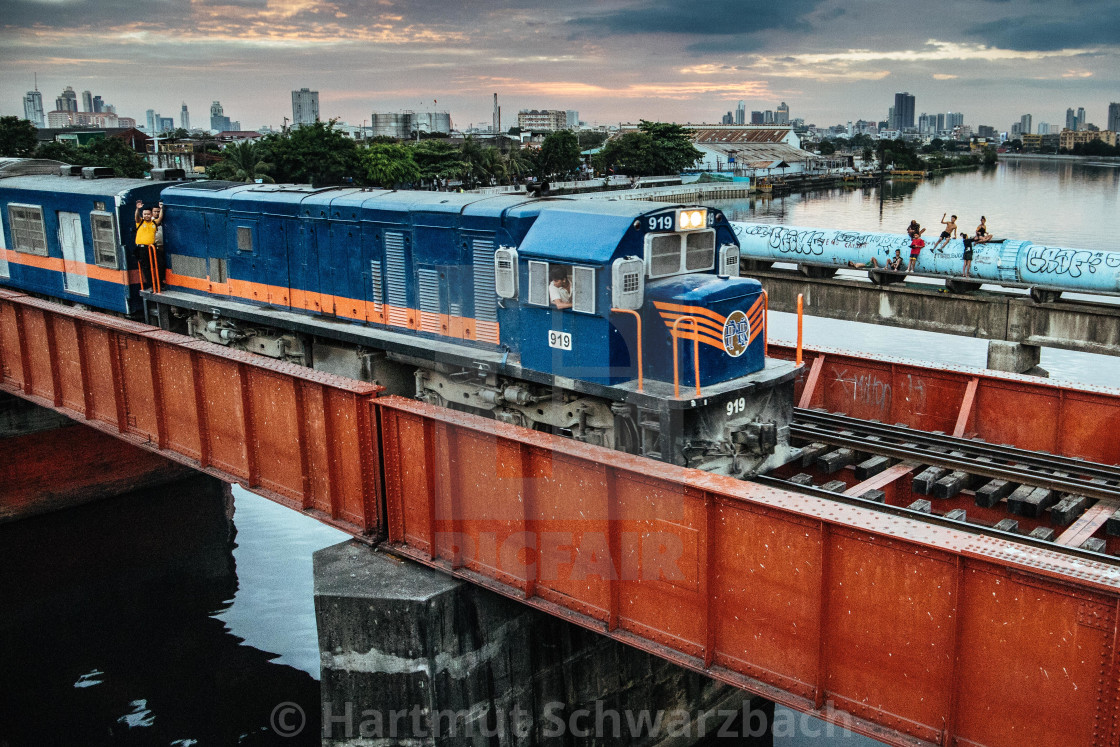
(1010,262)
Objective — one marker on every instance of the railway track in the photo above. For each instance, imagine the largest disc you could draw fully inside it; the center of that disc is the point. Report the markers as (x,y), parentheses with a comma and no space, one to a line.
(1079,497)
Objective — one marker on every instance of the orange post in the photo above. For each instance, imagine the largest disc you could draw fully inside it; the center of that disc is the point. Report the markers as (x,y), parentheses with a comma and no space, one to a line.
(638,320)
(152,261)
(800,320)
(695,354)
(765,324)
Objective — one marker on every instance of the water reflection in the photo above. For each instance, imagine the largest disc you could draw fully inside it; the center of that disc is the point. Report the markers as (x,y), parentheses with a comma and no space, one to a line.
(1058,203)
(109,633)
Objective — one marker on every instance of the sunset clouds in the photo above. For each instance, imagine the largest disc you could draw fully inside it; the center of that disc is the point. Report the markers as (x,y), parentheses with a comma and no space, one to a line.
(613,60)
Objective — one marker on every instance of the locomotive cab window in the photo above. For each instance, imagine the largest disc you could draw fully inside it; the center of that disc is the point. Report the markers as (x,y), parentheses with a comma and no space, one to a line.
(28,234)
(104,232)
(562,287)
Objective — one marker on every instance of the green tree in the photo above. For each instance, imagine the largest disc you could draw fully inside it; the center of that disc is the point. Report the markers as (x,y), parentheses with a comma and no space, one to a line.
(389,164)
(827,148)
(656,148)
(315,154)
(111,151)
(559,153)
(990,156)
(17,137)
(438,159)
(242,162)
(589,139)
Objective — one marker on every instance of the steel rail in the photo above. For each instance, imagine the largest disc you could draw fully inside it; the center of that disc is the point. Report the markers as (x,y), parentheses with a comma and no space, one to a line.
(977,457)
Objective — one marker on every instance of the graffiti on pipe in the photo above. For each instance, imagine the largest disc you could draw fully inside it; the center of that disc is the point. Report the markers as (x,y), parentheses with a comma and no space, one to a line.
(1070,262)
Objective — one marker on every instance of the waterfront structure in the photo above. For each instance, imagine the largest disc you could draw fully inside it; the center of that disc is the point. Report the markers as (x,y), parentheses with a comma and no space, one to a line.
(1070,138)
(184,117)
(542,120)
(33,108)
(67,101)
(1113,117)
(752,150)
(305,107)
(903,111)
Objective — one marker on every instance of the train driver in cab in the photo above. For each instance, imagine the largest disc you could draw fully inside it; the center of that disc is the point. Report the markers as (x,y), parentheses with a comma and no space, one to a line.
(560,287)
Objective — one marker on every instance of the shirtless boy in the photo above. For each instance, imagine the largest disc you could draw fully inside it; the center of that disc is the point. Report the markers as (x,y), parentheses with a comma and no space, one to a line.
(949,232)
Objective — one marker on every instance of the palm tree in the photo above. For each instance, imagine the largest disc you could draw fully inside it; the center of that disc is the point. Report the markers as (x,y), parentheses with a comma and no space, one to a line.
(244,162)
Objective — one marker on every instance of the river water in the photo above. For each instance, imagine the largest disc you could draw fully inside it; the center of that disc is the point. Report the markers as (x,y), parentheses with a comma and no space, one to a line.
(170,629)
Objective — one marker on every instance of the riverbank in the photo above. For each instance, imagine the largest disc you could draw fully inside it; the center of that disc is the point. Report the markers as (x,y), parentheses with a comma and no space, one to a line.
(1088,160)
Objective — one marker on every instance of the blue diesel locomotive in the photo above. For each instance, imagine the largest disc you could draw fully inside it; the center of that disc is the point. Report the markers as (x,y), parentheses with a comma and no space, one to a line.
(618,323)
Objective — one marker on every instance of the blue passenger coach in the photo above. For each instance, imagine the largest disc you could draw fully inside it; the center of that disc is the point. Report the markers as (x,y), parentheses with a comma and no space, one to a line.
(73,238)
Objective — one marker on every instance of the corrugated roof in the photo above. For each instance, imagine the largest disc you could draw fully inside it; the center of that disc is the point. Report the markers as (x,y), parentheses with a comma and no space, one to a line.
(720,135)
(758,152)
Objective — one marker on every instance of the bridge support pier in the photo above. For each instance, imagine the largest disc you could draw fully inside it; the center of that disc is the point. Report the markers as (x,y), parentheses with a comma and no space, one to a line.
(1015,357)
(48,462)
(412,656)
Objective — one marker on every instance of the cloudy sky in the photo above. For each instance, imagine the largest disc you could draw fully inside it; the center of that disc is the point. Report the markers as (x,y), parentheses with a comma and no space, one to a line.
(613,60)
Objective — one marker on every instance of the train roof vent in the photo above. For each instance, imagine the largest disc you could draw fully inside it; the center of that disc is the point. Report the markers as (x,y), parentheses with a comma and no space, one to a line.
(97,172)
(168,175)
(69,170)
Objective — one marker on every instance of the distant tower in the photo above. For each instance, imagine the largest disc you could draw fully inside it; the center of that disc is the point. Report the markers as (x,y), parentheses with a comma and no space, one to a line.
(153,121)
(1071,120)
(741,114)
(1081,118)
(903,110)
(98,104)
(33,107)
(184,117)
(217,116)
(782,116)
(497,123)
(1114,117)
(305,107)
(87,101)
(67,101)
(1025,125)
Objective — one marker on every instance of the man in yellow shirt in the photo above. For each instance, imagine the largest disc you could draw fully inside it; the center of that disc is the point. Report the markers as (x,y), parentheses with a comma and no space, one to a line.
(146,227)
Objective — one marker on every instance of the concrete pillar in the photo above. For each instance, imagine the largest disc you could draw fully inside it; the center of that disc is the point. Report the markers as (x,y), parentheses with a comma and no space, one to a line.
(412,656)
(1015,357)
(48,461)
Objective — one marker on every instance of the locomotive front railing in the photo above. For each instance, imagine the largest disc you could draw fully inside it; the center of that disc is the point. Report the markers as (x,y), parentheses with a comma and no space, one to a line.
(638,320)
(695,354)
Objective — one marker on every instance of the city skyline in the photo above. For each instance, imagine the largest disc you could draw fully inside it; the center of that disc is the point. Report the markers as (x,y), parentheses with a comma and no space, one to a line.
(615,61)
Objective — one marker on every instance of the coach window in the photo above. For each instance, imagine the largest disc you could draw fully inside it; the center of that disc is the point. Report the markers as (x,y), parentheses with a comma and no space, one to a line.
(28,234)
(104,232)
(244,239)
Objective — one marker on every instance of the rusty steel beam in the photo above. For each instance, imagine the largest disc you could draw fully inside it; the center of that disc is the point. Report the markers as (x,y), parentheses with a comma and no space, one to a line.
(304,438)
(1000,408)
(908,632)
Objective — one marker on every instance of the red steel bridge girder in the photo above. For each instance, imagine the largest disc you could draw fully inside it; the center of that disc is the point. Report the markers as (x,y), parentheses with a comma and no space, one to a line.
(299,436)
(911,632)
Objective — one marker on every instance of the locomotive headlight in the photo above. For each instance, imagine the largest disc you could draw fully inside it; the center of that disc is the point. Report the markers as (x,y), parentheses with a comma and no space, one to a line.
(691,219)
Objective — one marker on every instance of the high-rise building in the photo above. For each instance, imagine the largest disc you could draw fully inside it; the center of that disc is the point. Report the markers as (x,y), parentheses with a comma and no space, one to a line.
(1113,117)
(184,117)
(165,124)
(1081,118)
(218,121)
(1025,125)
(953,119)
(768,117)
(741,113)
(903,110)
(33,108)
(305,107)
(67,101)
(782,115)
(1071,120)
(152,121)
(573,119)
(940,122)
(1043,128)
(543,120)
(728,119)
(98,104)
(924,125)
(87,101)
(756,118)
